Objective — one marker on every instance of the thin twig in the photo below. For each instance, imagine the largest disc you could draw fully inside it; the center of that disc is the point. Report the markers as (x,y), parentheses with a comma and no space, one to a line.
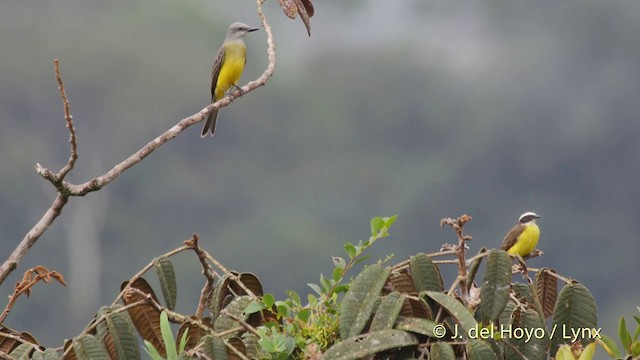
(66,189)
(73,140)
(208,273)
(145,269)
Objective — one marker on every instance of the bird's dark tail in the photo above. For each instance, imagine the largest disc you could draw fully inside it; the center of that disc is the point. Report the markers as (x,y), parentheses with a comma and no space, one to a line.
(210,125)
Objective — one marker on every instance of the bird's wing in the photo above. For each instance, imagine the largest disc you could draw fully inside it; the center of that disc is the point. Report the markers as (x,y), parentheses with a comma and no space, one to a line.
(215,71)
(511,237)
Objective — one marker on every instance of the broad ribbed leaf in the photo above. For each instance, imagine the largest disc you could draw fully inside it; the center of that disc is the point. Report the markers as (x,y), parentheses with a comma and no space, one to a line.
(235,308)
(357,304)
(480,350)
(208,346)
(48,354)
(22,352)
(506,318)
(522,292)
(167,278)
(251,282)
(251,345)
(575,310)
(415,325)
(387,312)
(426,276)
(417,308)
(402,283)
(227,288)
(7,344)
(441,351)
(472,269)
(371,343)
(496,285)
(87,347)
(145,317)
(528,336)
(122,333)
(219,349)
(462,315)
(546,290)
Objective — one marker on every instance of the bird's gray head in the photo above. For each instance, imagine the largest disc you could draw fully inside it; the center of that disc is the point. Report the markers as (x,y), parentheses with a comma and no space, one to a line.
(528,217)
(239,30)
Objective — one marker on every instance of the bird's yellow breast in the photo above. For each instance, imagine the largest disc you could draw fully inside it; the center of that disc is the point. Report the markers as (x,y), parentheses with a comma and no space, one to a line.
(231,69)
(526,241)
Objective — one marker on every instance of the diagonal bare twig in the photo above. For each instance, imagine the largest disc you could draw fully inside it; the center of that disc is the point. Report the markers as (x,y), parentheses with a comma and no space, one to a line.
(66,189)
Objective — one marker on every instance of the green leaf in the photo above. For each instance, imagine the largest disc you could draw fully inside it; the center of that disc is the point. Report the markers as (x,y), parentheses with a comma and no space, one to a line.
(326,284)
(167,337)
(89,348)
(564,353)
(151,351)
(254,307)
(575,310)
(480,350)
(425,274)
(387,312)
(441,351)
(588,352)
(22,352)
(183,342)
(304,315)
(494,293)
(361,259)
(340,289)
(167,277)
(388,221)
(123,334)
(357,304)
(611,347)
(350,249)
(268,299)
(456,309)
(369,344)
(50,354)
(315,288)
(377,224)
(531,340)
(415,325)
(337,274)
(625,336)
(235,308)
(426,277)
(472,269)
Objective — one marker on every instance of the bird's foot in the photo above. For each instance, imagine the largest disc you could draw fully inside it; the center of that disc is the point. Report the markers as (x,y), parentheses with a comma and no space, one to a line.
(239,89)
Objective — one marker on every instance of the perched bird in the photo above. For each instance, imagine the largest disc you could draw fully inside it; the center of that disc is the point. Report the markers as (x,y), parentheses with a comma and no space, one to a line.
(227,68)
(523,237)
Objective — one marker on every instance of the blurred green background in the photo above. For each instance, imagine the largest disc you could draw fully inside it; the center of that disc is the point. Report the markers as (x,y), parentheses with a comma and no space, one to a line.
(424,109)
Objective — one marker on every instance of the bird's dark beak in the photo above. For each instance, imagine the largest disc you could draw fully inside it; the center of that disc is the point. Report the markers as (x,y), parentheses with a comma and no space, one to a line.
(538,216)
(253,29)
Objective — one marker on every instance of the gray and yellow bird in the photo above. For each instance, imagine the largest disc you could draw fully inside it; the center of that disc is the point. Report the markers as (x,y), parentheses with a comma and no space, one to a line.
(523,237)
(227,68)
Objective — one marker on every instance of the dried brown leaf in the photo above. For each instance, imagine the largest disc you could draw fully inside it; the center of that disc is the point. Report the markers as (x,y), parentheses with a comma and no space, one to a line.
(547,290)
(145,317)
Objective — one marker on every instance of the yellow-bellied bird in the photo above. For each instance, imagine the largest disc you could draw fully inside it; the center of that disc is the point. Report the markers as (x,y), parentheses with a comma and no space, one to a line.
(227,68)
(523,237)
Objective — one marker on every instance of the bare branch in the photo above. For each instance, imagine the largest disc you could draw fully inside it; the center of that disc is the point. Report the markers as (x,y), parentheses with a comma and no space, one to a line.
(66,189)
(69,119)
(208,273)
(32,236)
